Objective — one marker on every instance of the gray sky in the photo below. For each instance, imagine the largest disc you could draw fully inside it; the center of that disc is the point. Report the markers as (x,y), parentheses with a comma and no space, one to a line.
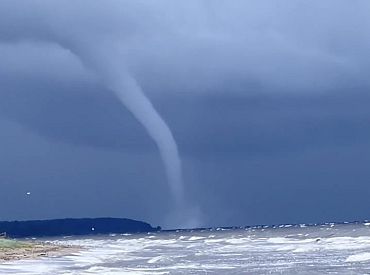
(268,103)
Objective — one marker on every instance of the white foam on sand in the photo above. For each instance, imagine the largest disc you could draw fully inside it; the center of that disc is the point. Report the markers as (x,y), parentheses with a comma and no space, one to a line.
(195,238)
(362,257)
(160,258)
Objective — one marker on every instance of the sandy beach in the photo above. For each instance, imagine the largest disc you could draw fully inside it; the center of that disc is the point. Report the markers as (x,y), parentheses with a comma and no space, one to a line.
(16,250)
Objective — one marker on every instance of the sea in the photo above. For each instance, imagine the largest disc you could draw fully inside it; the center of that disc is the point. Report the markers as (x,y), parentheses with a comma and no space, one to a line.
(329,248)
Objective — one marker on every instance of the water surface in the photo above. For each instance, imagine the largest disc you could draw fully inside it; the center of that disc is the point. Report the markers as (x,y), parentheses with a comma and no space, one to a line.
(285,249)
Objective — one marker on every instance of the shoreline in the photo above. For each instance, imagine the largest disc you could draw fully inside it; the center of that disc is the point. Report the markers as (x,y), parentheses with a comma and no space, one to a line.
(12,250)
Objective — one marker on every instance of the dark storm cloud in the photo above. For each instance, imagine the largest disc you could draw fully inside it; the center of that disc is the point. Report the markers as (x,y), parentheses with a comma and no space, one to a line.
(270,124)
(66,112)
(199,45)
(260,97)
(75,181)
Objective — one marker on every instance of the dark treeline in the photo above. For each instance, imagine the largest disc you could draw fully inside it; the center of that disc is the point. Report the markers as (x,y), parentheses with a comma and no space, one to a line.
(68,227)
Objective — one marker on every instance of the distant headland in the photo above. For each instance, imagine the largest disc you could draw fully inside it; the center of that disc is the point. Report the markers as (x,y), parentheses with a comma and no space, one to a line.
(69,227)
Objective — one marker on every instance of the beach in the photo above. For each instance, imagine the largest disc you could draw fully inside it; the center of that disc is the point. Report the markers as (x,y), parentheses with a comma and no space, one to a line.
(17,250)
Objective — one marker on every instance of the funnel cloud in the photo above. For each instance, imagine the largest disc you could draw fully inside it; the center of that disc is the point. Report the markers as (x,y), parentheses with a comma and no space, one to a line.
(108,64)
(131,95)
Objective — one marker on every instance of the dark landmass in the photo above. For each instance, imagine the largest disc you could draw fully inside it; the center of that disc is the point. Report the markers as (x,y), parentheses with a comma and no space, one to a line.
(69,227)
